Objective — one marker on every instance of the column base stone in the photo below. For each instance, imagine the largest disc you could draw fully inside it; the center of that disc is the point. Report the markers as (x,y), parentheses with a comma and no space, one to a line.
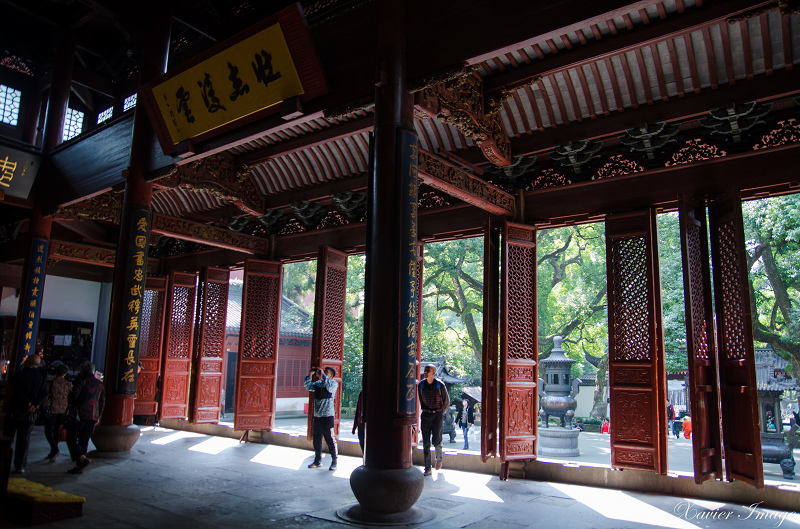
(386,493)
(115,438)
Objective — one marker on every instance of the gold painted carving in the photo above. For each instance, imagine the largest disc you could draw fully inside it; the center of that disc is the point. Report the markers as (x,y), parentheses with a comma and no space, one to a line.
(216,175)
(460,103)
(184,229)
(106,207)
(83,253)
(456,182)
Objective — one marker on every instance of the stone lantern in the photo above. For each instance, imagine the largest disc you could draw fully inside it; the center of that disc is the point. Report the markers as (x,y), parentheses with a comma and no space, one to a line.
(558,400)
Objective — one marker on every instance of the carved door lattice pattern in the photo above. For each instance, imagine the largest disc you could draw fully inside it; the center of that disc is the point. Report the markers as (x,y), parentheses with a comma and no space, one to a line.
(212,309)
(258,346)
(741,431)
(327,343)
(179,337)
(152,327)
(703,392)
(637,380)
(518,366)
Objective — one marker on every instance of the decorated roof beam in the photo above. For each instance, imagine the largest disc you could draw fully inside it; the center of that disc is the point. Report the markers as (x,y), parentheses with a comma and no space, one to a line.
(209,235)
(458,183)
(217,176)
(92,255)
(459,102)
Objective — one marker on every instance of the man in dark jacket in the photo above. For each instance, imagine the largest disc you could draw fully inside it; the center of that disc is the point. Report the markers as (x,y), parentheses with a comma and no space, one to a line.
(433,401)
(88,397)
(28,392)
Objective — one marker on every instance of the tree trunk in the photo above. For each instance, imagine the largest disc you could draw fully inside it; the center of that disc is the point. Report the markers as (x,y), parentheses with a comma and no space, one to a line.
(600,406)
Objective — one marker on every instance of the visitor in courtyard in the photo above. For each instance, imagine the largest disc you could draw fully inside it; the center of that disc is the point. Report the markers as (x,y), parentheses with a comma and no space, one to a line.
(358,420)
(28,393)
(58,397)
(323,385)
(579,425)
(88,398)
(433,400)
(687,427)
(606,428)
(466,418)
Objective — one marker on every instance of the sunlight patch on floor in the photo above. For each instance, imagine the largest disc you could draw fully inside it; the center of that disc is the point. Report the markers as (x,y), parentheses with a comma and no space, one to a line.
(473,486)
(283,457)
(177,436)
(214,445)
(616,505)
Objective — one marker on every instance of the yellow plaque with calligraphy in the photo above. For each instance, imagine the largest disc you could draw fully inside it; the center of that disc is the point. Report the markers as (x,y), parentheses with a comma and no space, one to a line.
(247,77)
(238,81)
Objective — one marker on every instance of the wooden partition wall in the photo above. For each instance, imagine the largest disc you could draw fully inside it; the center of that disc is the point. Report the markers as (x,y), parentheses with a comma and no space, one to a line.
(152,328)
(179,334)
(491,314)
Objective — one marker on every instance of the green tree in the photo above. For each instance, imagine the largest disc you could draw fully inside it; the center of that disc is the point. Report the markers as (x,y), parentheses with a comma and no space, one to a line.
(672,293)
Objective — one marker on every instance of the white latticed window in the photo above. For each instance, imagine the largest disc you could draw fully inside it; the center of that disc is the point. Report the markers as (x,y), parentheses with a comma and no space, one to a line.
(105,114)
(73,124)
(129,102)
(9,105)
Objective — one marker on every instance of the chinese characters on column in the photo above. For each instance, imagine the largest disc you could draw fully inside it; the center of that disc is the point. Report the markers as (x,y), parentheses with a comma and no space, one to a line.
(408,295)
(130,321)
(32,301)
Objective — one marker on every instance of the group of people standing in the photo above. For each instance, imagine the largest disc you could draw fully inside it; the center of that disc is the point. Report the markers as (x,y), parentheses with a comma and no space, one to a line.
(72,408)
(434,400)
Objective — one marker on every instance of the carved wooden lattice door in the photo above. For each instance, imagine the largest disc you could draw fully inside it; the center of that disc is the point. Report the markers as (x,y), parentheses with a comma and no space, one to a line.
(737,374)
(178,346)
(153,305)
(327,343)
(703,394)
(491,312)
(519,403)
(637,381)
(209,347)
(420,277)
(258,346)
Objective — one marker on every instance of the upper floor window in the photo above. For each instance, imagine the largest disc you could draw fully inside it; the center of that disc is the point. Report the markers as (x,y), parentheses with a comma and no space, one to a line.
(105,115)
(73,124)
(9,105)
(129,102)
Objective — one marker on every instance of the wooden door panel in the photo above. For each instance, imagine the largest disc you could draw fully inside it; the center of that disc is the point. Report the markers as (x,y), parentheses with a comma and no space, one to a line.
(518,369)
(258,346)
(637,381)
(153,307)
(178,346)
(327,343)
(736,357)
(491,311)
(702,361)
(209,352)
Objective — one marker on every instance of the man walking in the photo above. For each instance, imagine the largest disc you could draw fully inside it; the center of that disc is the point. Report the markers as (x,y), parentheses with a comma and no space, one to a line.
(433,400)
(28,392)
(324,387)
(466,419)
(88,397)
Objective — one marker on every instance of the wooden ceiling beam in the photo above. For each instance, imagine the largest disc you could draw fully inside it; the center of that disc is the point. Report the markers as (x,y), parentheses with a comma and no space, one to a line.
(209,235)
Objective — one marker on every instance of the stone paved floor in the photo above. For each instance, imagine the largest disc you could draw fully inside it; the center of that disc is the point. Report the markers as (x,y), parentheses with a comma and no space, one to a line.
(184,480)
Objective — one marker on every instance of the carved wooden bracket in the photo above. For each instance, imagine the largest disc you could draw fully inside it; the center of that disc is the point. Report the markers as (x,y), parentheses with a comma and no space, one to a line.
(82,253)
(210,235)
(106,207)
(217,176)
(460,103)
(462,185)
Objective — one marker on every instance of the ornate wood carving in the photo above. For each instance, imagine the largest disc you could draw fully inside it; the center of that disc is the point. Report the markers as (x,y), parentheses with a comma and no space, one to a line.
(460,103)
(106,207)
(518,373)
(83,253)
(695,151)
(576,155)
(179,333)
(650,141)
(549,178)
(217,176)
(787,132)
(635,342)
(258,346)
(153,305)
(203,234)
(733,121)
(617,166)
(327,342)
(460,184)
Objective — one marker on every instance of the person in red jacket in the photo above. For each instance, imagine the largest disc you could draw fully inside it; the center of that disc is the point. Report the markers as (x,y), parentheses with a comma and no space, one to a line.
(606,428)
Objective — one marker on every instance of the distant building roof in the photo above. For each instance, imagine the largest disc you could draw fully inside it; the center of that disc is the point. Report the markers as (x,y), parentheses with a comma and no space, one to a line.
(767,363)
(296,322)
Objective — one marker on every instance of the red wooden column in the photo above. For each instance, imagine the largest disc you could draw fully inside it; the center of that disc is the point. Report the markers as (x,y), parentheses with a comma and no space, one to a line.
(491,313)
(258,346)
(327,342)
(637,380)
(179,334)
(116,432)
(415,429)
(741,431)
(519,346)
(703,392)
(209,346)
(152,329)
(387,485)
